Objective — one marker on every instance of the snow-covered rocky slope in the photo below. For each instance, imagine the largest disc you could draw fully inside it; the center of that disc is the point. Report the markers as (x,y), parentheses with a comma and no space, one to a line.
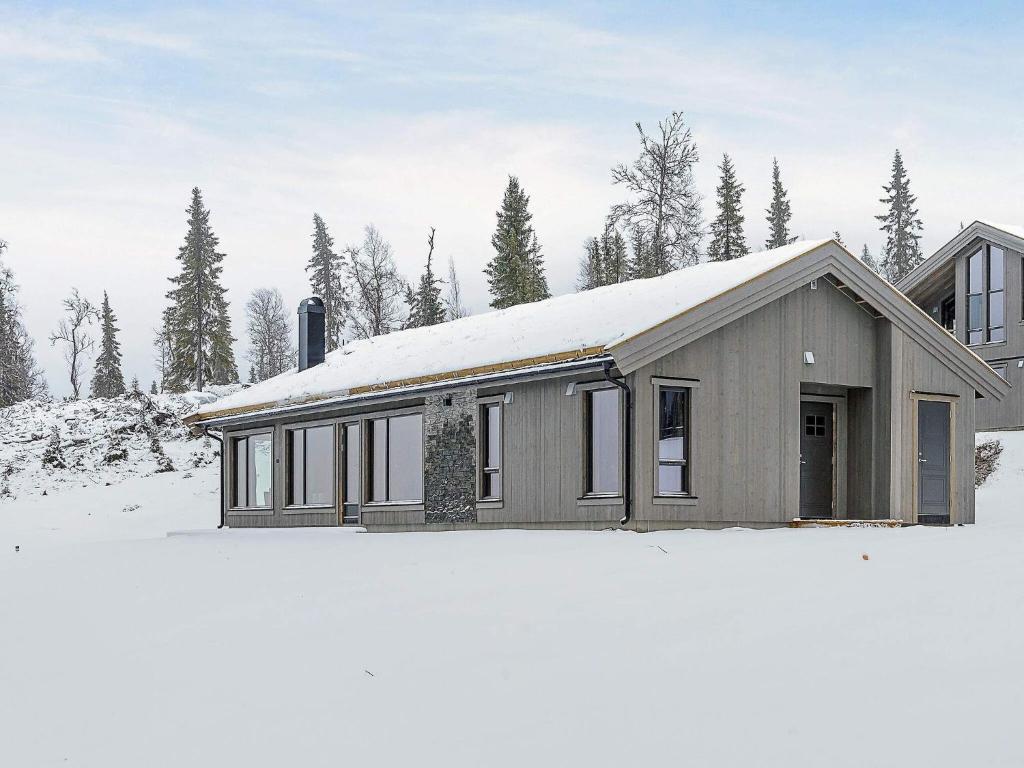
(121,646)
(46,447)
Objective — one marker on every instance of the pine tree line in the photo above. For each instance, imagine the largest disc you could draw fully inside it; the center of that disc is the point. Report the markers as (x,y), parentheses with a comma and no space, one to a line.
(659,228)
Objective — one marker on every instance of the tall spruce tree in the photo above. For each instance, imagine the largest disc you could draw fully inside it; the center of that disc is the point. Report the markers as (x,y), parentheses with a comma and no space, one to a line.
(516,273)
(425,305)
(325,280)
(198,322)
(664,212)
(107,379)
(779,212)
(727,240)
(901,224)
(20,377)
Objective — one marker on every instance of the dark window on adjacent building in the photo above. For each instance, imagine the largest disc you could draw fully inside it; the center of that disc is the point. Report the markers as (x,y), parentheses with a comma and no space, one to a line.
(673,441)
(395,456)
(947,314)
(252,465)
(986,307)
(309,457)
(996,305)
(490,451)
(603,421)
(1001,370)
(975,286)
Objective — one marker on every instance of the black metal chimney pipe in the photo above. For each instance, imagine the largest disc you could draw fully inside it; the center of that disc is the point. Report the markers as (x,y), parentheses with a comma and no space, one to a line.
(311,333)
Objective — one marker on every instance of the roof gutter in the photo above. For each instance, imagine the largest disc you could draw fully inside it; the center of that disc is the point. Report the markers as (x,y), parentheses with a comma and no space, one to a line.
(550,371)
(627,453)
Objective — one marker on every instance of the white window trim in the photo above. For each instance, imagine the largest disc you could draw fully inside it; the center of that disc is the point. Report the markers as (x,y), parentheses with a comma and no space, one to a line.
(658,383)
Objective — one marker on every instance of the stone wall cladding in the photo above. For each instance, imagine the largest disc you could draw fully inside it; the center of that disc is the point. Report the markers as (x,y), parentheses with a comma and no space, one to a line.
(449,461)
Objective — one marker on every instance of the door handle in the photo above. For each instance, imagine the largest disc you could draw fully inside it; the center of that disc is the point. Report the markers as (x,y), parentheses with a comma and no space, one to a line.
(923,461)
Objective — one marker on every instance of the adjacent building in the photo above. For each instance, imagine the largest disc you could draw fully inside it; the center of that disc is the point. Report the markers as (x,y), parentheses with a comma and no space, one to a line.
(793,383)
(973,286)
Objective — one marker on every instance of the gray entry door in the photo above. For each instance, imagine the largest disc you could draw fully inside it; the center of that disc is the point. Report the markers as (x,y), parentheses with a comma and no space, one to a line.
(817,446)
(933,471)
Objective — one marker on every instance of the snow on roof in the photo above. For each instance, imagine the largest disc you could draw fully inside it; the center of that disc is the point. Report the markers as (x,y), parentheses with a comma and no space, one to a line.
(589,321)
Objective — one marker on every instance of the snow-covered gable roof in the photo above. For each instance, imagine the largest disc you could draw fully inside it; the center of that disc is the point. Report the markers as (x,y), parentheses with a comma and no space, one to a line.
(562,328)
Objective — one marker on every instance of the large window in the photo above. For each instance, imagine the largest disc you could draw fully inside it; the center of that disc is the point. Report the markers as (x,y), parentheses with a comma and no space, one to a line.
(395,455)
(673,441)
(996,305)
(986,308)
(350,509)
(603,442)
(310,466)
(490,451)
(252,465)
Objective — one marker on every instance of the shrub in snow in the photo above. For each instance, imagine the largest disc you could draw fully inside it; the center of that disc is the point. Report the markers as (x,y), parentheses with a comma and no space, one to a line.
(986,459)
(53,456)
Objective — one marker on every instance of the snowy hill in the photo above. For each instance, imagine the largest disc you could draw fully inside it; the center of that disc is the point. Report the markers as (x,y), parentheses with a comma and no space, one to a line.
(46,447)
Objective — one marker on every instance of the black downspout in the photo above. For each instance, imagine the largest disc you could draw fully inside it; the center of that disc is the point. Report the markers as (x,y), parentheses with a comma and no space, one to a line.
(627,492)
(206,431)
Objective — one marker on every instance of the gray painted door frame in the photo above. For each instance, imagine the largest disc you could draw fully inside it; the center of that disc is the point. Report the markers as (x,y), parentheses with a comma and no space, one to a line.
(839,449)
(916,398)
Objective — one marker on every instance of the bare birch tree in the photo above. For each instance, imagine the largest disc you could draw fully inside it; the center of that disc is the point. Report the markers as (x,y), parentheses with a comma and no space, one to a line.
(271,351)
(379,289)
(72,333)
(664,213)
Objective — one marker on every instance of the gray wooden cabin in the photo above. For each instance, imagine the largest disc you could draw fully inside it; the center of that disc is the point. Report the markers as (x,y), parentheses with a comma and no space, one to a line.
(974,287)
(811,390)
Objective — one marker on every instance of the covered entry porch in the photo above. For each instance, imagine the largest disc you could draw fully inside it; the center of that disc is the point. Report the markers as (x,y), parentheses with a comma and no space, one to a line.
(843,448)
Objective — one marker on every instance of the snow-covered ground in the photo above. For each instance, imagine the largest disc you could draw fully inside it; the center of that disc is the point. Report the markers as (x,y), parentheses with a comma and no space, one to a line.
(121,646)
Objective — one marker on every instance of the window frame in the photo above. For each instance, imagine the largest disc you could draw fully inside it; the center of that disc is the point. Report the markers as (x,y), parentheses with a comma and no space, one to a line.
(342,448)
(232,471)
(287,477)
(1004,367)
(692,386)
(985,294)
(483,404)
(587,390)
(367,459)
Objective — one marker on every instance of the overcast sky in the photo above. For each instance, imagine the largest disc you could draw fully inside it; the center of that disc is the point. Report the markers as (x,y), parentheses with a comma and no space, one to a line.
(413,116)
